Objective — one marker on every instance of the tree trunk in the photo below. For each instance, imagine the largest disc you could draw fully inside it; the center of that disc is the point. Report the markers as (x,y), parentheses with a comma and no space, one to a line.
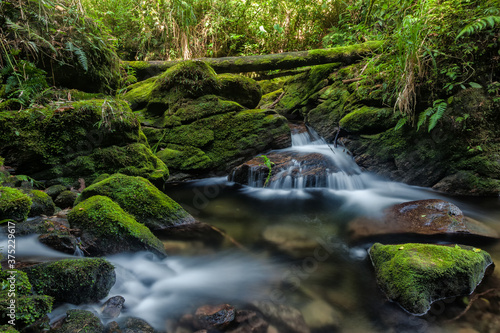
(288,60)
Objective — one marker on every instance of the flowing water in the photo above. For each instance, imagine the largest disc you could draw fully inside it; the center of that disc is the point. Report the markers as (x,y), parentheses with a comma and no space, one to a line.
(285,244)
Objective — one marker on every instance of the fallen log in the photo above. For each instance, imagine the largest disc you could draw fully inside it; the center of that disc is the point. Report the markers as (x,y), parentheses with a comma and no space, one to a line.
(287,60)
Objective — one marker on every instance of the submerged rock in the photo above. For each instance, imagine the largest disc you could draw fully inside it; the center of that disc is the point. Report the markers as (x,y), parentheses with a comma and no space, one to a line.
(14,204)
(283,317)
(74,281)
(416,275)
(107,229)
(138,197)
(421,217)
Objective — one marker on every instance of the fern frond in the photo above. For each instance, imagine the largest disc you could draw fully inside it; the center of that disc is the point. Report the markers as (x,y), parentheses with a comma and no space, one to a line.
(82,57)
(423,117)
(479,25)
(439,111)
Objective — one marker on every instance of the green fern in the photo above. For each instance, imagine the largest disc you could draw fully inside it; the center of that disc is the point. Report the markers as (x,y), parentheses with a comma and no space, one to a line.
(82,57)
(479,25)
(435,113)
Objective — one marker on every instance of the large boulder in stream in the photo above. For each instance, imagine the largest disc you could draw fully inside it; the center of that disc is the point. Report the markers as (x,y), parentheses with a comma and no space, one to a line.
(198,123)
(138,197)
(434,217)
(416,275)
(107,229)
(74,281)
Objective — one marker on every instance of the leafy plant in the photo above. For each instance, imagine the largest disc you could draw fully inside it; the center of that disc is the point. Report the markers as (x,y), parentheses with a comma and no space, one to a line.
(478,25)
(435,113)
(269,165)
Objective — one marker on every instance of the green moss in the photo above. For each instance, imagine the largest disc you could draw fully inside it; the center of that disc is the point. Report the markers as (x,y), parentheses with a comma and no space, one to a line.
(28,307)
(415,275)
(80,321)
(42,204)
(14,205)
(241,89)
(271,85)
(54,190)
(52,136)
(186,158)
(269,99)
(114,229)
(140,198)
(65,199)
(101,177)
(74,281)
(8,329)
(138,94)
(368,120)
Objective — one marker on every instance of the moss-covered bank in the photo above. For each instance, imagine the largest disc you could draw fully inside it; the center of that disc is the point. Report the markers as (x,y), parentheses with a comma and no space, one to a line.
(14,205)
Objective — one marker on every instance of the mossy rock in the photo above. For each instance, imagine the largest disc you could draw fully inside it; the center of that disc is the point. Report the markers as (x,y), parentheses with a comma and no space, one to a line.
(74,281)
(185,158)
(53,136)
(138,197)
(42,204)
(368,120)
(416,275)
(8,329)
(268,99)
(81,321)
(14,204)
(65,199)
(54,190)
(110,229)
(28,308)
(100,177)
(241,89)
(268,86)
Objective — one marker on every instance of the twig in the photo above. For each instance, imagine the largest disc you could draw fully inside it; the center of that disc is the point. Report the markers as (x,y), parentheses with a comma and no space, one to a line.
(277,100)
(471,301)
(352,80)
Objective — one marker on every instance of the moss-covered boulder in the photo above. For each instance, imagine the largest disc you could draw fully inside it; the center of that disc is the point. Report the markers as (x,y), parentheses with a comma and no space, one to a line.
(196,123)
(14,204)
(79,139)
(81,321)
(27,308)
(241,89)
(138,197)
(42,204)
(65,199)
(8,329)
(368,120)
(108,229)
(54,190)
(416,275)
(74,281)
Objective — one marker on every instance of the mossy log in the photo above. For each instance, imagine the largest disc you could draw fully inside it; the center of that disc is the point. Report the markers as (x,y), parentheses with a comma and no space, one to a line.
(287,60)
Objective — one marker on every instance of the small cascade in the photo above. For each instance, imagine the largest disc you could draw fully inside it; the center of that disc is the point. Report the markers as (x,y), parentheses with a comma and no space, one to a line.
(309,163)
(78,250)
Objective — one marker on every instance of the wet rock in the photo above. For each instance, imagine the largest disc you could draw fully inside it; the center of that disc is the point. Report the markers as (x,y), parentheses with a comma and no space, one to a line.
(214,316)
(138,197)
(79,320)
(416,275)
(284,318)
(248,321)
(112,327)
(108,229)
(42,204)
(192,232)
(62,243)
(112,307)
(74,281)
(66,199)
(14,204)
(422,217)
(137,325)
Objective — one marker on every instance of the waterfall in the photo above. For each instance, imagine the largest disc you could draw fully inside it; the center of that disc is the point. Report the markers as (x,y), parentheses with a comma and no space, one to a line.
(78,250)
(310,163)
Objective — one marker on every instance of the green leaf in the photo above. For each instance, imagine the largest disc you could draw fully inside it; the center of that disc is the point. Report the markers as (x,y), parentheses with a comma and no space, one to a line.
(400,123)
(475,85)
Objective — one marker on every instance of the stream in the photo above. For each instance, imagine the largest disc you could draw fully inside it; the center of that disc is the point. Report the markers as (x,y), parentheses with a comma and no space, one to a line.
(285,244)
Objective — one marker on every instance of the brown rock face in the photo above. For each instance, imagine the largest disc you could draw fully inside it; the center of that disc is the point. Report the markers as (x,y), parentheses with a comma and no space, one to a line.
(422,217)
